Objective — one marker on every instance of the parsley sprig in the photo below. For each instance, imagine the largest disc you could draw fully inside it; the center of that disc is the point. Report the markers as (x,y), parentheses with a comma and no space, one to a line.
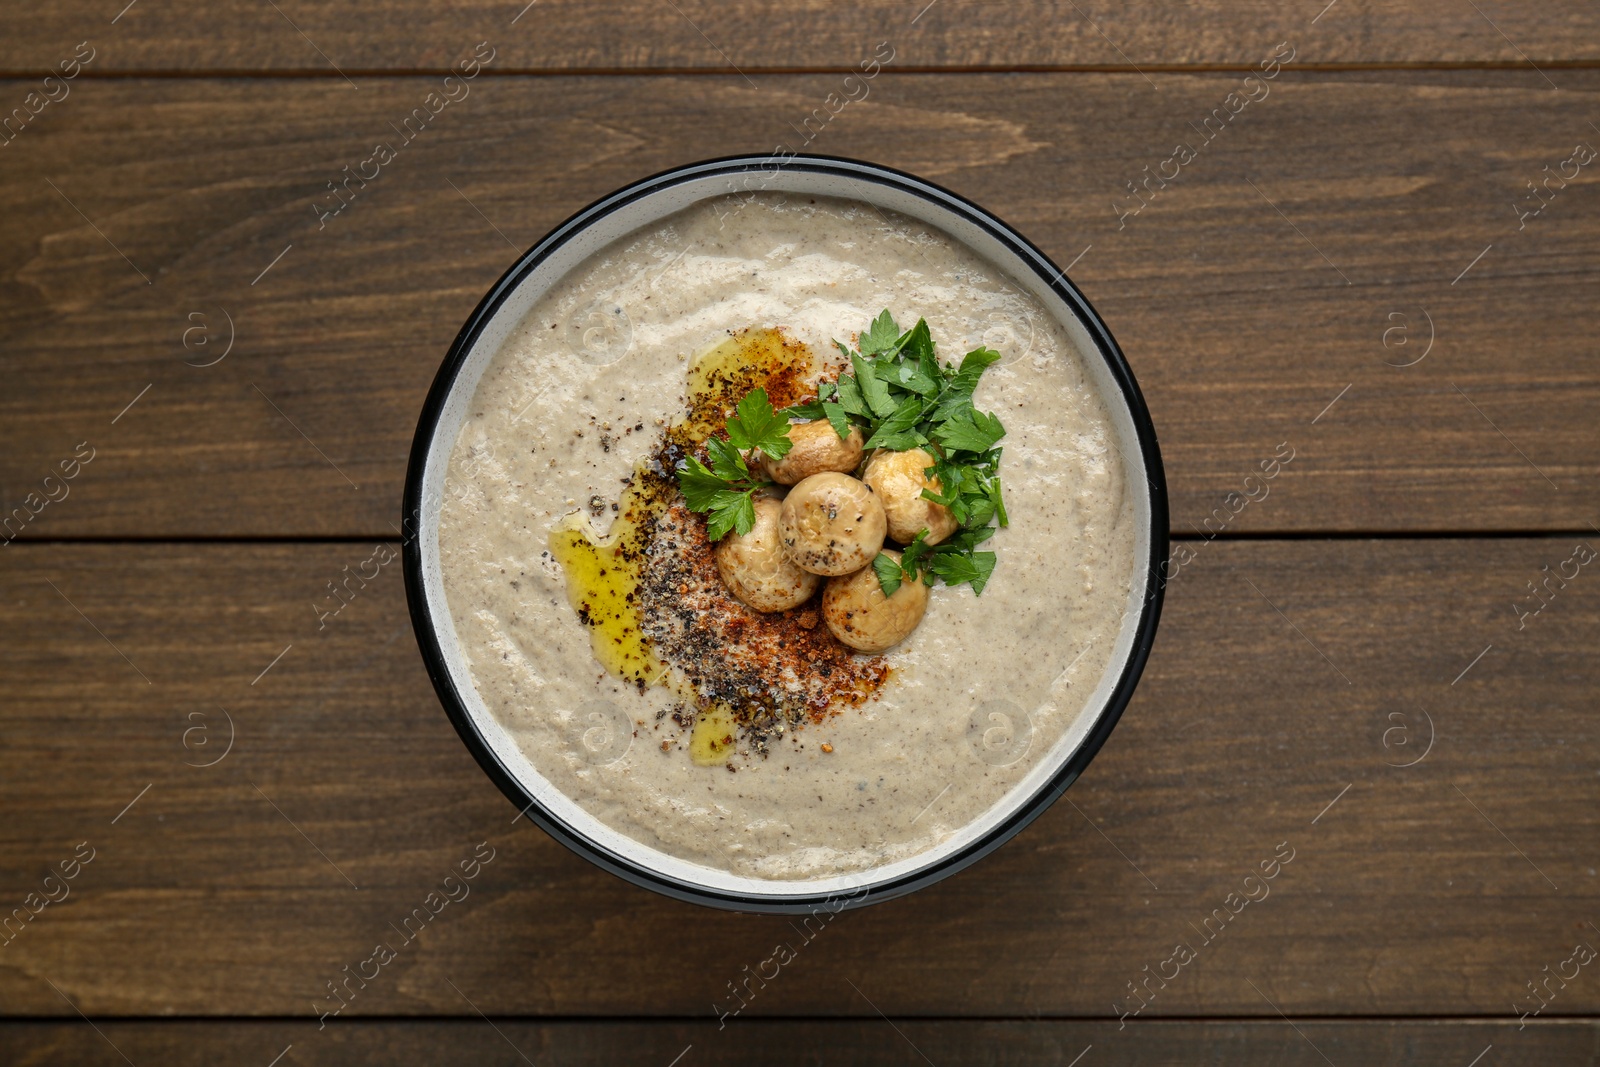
(902,397)
(726,489)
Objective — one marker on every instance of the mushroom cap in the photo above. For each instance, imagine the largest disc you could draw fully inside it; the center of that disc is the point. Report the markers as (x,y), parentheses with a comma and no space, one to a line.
(858,613)
(754,568)
(831,523)
(899,479)
(814,447)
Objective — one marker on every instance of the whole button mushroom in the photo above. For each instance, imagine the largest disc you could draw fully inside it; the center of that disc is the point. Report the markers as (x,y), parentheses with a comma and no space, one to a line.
(858,613)
(898,478)
(815,447)
(831,524)
(755,569)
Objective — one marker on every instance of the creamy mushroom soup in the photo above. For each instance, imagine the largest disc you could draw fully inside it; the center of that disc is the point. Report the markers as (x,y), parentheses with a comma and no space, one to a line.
(602,661)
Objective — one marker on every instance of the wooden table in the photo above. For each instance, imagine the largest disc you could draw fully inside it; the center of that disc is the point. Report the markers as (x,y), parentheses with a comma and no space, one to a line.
(1352,265)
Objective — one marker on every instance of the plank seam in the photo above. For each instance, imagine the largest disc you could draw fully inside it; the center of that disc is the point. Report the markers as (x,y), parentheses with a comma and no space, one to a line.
(21,73)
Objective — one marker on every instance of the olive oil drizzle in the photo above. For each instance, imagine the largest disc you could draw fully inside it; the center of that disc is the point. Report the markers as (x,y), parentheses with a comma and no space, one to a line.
(603,573)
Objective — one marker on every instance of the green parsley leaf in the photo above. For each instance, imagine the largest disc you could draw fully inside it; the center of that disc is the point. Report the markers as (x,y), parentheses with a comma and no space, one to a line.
(911,558)
(823,408)
(892,574)
(928,363)
(903,441)
(912,377)
(904,417)
(965,540)
(973,364)
(873,388)
(851,400)
(942,473)
(727,462)
(725,490)
(699,485)
(999,503)
(813,410)
(882,336)
(757,426)
(888,571)
(837,418)
(730,511)
(917,370)
(918,344)
(979,509)
(972,432)
(956,400)
(955,569)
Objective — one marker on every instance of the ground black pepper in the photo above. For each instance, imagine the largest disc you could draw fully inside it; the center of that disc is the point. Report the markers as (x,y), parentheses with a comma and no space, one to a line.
(777,672)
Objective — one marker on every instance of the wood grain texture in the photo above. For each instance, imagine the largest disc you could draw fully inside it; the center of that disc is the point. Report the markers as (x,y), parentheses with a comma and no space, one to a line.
(1267,717)
(140,213)
(326,38)
(838,1043)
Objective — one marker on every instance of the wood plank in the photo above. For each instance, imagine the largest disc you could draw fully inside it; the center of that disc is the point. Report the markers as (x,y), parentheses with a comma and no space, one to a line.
(1442,888)
(516,1042)
(1228,290)
(327,38)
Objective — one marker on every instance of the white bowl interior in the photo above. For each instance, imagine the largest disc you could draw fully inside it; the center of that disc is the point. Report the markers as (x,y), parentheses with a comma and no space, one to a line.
(644,212)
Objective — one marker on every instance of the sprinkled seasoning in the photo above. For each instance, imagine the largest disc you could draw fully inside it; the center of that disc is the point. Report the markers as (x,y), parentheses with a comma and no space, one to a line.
(775,671)
(659,614)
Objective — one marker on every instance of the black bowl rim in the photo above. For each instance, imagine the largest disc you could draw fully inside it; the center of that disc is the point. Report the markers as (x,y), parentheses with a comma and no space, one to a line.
(777,903)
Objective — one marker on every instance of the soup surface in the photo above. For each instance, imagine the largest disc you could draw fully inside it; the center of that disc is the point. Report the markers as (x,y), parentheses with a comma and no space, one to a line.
(921,740)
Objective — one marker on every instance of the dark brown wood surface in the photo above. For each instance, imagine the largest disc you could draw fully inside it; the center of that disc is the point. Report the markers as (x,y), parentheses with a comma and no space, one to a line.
(867,1042)
(1438,889)
(131,253)
(572,35)
(1373,211)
